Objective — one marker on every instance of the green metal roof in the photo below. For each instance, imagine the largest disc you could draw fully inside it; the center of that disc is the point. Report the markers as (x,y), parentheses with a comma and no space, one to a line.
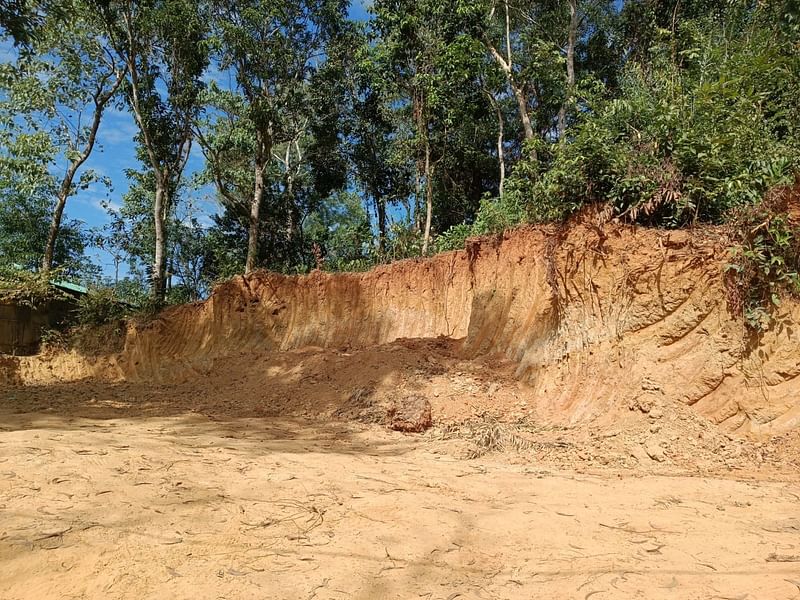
(71,287)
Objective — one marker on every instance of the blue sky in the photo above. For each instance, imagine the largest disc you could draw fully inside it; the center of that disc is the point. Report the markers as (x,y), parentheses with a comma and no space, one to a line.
(115,153)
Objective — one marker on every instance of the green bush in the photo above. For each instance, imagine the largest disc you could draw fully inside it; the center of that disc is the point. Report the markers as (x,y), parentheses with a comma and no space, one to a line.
(681,142)
(100,306)
(26,288)
(452,239)
(403,241)
(764,262)
(498,214)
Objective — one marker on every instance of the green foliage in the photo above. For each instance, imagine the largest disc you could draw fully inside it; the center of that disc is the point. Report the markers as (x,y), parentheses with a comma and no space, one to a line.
(271,139)
(404,241)
(27,288)
(494,216)
(764,263)
(131,291)
(24,20)
(24,223)
(682,142)
(52,98)
(100,306)
(340,231)
(498,214)
(453,239)
(678,114)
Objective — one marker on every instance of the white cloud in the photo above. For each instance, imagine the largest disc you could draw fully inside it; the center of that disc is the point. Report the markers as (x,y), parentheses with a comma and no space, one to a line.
(97,201)
(217,75)
(118,127)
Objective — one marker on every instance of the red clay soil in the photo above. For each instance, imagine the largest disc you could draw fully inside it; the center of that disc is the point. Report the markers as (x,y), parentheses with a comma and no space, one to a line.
(595,321)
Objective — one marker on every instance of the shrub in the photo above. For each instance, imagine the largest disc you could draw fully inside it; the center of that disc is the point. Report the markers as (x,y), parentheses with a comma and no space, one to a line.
(25,288)
(53,341)
(100,306)
(685,140)
(452,239)
(765,261)
(497,214)
(403,241)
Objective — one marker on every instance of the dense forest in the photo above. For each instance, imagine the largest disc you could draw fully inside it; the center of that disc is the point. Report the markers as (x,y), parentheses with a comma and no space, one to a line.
(339,143)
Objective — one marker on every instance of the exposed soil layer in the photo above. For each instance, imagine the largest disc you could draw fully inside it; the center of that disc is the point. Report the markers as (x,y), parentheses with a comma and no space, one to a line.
(479,401)
(595,321)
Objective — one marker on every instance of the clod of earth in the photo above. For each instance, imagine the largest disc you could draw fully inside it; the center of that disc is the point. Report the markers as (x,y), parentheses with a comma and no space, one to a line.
(411,414)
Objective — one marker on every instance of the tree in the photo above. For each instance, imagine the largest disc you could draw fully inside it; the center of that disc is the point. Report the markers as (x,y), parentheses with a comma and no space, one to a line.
(409,44)
(163,45)
(64,79)
(433,72)
(272,50)
(129,238)
(22,19)
(341,230)
(24,220)
(377,162)
(87,79)
(572,36)
(505,60)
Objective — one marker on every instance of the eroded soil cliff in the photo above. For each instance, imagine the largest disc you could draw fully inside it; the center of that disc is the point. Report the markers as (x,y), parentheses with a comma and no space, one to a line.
(594,322)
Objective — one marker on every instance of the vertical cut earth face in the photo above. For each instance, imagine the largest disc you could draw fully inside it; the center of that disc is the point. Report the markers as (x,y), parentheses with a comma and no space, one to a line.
(597,320)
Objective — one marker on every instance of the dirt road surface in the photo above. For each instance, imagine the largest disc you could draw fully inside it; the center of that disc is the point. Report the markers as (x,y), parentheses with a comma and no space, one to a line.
(185,506)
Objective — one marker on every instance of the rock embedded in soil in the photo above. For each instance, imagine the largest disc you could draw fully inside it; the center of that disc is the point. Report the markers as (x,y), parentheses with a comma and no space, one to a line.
(411,414)
(654,450)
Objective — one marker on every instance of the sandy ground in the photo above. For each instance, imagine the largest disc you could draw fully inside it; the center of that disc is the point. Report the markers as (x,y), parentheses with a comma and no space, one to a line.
(184,506)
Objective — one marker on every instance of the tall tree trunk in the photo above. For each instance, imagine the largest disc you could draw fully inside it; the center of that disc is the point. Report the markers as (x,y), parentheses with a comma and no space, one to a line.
(380,210)
(428,198)
(55,226)
(506,64)
(501,158)
(519,94)
(417,197)
(161,173)
(522,106)
(101,99)
(255,223)
(417,101)
(160,256)
(291,210)
(573,34)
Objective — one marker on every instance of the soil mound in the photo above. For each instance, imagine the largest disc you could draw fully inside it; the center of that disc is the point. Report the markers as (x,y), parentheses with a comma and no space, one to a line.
(592,322)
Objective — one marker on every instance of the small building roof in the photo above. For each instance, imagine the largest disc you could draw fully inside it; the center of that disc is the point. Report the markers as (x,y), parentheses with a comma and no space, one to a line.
(70,287)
